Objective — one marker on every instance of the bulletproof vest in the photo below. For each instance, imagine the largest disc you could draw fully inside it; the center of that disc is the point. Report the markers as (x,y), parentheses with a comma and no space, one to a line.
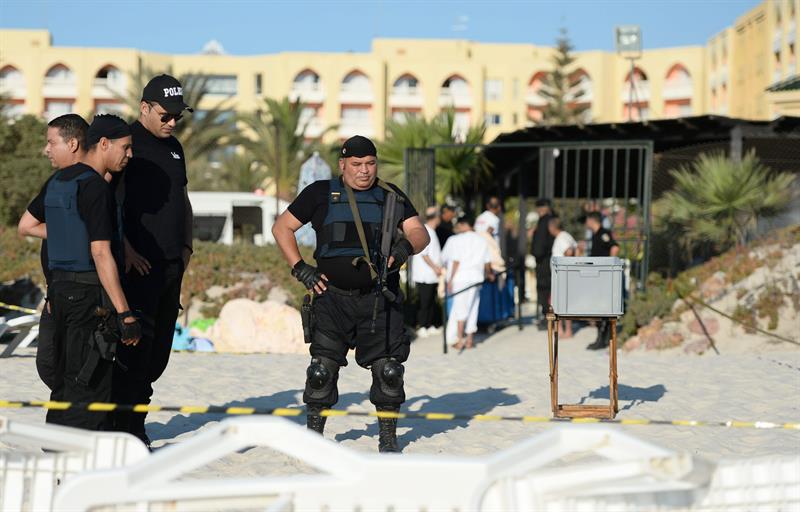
(338,235)
(68,244)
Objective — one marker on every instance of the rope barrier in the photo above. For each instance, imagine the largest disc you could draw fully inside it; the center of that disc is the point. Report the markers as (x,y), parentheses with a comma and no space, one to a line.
(692,298)
(430,416)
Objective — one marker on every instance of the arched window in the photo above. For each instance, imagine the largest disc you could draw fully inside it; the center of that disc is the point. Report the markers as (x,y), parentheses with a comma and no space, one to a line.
(110,78)
(678,92)
(12,82)
(60,74)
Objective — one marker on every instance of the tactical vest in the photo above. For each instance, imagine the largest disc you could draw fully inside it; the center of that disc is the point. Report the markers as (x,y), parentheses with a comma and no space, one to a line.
(338,235)
(68,245)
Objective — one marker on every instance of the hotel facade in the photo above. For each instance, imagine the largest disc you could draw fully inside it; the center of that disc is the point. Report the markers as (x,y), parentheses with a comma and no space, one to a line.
(748,70)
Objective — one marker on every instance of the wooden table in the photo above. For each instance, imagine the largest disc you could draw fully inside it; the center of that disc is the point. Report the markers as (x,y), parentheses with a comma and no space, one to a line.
(579,410)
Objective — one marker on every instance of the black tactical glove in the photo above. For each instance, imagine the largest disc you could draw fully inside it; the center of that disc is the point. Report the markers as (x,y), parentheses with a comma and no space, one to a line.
(401,250)
(306,274)
(129,330)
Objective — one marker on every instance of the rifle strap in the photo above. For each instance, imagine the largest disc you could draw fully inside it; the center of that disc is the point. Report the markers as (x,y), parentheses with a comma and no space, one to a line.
(361,236)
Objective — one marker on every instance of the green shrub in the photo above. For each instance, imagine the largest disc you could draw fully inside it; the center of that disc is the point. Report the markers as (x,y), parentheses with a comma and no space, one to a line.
(655,301)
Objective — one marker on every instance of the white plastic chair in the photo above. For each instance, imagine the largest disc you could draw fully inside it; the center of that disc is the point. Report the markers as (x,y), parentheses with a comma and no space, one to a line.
(27,328)
(29,478)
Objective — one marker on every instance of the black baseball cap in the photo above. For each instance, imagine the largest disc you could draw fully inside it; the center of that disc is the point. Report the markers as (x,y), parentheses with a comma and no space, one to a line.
(167,91)
(108,126)
(358,146)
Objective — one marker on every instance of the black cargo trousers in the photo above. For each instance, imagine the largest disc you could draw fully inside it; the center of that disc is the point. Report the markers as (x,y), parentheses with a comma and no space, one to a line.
(343,320)
(75,317)
(155,297)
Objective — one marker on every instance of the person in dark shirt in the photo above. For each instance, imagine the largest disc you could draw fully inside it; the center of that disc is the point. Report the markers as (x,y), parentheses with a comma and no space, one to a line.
(157,222)
(603,244)
(79,220)
(351,308)
(541,249)
(445,228)
(65,146)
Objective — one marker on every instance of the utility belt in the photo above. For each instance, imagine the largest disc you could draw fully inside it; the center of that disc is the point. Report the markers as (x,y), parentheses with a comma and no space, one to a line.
(90,277)
(352,292)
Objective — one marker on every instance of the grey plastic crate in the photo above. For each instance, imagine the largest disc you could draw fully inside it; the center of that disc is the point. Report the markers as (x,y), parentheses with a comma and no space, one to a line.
(589,286)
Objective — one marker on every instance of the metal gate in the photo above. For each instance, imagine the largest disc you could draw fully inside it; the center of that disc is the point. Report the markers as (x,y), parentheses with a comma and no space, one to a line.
(612,177)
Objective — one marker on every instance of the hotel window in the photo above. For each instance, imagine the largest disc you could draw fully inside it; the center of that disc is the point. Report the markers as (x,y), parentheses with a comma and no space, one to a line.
(493,119)
(222,85)
(55,108)
(493,90)
(258,83)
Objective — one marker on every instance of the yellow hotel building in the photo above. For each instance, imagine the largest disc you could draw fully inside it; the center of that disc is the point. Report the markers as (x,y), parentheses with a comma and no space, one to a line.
(495,83)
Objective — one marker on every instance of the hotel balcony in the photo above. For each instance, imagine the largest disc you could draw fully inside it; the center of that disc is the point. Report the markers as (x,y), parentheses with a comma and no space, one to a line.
(535,99)
(58,88)
(641,91)
(406,97)
(678,91)
(349,128)
(457,99)
(776,41)
(307,93)
(791,32)
(105,89)
(355,95)
(12,88)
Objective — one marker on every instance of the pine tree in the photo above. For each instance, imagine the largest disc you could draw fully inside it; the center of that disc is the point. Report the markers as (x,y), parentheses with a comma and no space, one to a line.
(561,87)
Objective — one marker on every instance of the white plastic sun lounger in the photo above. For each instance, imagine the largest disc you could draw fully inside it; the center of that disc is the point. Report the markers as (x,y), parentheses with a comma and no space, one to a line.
(569,468)
(29,477)
(27,329)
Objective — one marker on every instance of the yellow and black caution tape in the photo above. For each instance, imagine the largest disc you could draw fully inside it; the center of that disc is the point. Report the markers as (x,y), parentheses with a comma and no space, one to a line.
(12,307)
(430,416)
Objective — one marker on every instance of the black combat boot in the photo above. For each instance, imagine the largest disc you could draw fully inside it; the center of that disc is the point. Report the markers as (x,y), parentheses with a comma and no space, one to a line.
(387,432)
(314,421)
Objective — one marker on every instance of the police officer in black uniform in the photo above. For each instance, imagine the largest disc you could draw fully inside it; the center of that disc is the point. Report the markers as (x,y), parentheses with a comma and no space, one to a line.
(84,247)
(65,146)
(542,250)
(157,220)
(603,244)
(351,309)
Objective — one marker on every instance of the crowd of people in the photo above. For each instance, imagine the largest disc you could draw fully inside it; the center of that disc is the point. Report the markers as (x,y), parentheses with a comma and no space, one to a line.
(464,254)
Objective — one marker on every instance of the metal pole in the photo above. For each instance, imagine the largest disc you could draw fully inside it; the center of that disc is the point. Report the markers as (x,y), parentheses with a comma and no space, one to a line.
(630,91)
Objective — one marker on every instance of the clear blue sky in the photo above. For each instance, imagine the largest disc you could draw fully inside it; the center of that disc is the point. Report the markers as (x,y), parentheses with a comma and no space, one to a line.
(264,26)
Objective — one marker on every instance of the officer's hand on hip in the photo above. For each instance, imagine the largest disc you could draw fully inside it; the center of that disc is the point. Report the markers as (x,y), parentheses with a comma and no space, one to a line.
(135,260)
(310,276)
(130,330)
(401,250)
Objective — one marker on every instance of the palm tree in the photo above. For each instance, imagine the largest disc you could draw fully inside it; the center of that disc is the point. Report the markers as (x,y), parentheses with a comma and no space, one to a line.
(240,173)
(277,142)
(720,201)
(200,133)
(455,166)
(458,166)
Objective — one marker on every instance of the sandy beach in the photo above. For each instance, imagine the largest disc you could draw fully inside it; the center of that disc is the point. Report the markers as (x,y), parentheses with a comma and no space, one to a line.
(506,375)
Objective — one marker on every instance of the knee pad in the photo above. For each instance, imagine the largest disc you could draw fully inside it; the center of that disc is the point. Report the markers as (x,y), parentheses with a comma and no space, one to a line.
(387,373)
(321,377)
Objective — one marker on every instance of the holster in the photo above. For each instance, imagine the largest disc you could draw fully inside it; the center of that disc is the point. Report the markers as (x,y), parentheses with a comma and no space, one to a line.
(102,346)
(307,317)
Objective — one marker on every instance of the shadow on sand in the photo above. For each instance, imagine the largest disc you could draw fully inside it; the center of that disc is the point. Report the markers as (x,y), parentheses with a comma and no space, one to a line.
(480,401)
(632,394)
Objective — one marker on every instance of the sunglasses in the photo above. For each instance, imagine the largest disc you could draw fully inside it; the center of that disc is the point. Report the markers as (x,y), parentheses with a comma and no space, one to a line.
(166,116)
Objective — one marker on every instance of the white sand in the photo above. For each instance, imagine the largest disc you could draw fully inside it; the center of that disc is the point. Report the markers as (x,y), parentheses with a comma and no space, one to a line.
(506,374)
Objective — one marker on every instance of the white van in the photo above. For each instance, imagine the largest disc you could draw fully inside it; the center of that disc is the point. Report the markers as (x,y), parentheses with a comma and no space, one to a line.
(228,217)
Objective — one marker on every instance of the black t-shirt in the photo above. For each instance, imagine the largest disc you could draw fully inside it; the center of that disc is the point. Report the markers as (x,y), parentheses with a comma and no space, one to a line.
(96,207)
(444,231)
(151,191)
(311,205)
(602,242)
(542,243)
